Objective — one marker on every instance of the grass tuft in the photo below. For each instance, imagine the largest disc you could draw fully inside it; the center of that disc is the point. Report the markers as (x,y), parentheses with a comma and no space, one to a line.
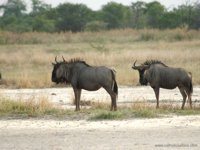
(30,108)
(107,115)
(145,113)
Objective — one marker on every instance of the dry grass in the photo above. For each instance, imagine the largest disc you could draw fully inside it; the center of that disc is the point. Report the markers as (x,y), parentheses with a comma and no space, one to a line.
(42,108)
(140,109)
(29,108)
(25,60)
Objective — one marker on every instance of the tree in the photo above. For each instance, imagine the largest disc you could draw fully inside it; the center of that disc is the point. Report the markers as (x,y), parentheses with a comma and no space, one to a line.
(115,15)
(195,21)
(38,6)
(78,17)
(170,20)
(189,15)
(43,24)
(16,24)
(13,8)
(14,18)
(154,11)
(71,17)
(41,21)
(138,17)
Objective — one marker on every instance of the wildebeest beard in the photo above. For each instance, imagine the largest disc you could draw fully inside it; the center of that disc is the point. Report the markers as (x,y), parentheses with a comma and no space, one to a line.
(57,80)
(61,80)
(143,80)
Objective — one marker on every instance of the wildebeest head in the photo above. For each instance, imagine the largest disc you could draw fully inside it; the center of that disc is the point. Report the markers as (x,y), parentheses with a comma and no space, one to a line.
(142,71)
(60,72)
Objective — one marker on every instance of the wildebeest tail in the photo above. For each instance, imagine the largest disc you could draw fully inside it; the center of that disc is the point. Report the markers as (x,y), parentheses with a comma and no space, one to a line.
(114,86)
(191,86)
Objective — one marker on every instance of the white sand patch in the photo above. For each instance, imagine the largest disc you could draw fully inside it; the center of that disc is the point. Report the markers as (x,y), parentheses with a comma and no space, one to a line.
(126,95)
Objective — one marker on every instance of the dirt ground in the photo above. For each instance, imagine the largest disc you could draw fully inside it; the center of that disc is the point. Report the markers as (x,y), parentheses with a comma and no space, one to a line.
(172,132)
(163,133)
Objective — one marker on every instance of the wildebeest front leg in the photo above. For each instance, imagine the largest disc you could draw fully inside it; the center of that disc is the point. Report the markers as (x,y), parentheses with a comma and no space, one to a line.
(156,90)
(77,93)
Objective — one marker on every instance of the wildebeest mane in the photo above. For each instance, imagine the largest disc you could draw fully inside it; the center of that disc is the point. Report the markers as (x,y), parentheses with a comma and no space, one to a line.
(77,60)
(151,62)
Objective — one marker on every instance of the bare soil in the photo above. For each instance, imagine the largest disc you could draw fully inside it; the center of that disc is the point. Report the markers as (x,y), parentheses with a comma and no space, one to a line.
(166,133)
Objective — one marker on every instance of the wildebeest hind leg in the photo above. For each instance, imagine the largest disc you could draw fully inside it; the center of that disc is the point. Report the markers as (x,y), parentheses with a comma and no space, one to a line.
(113,97)
(114,104)
(183,95)
(189,97)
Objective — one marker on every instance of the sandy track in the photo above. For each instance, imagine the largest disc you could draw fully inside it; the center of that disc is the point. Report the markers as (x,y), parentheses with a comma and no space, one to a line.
(166,133)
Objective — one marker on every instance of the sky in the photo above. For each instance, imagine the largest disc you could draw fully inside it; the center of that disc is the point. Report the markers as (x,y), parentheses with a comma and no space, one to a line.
(97,4)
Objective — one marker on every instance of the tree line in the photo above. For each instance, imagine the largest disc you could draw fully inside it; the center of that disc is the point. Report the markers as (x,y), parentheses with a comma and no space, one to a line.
(78,17)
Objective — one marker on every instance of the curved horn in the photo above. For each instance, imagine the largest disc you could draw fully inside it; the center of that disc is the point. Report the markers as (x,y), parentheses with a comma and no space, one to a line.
(63,59)
(134,66)
(134,63)
(56,59)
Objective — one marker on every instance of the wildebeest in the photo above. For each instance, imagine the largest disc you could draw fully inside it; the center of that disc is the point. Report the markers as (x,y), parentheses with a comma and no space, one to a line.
(158,75)
(83,76)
